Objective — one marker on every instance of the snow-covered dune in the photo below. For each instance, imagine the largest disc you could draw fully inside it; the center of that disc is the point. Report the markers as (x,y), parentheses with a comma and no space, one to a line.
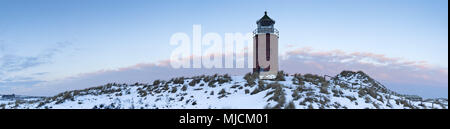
(347,90)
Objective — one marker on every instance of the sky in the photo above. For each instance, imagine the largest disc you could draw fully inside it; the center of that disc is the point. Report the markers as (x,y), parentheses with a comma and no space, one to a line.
(45,43)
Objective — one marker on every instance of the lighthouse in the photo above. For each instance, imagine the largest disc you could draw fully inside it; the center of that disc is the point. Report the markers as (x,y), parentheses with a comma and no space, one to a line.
(265,48)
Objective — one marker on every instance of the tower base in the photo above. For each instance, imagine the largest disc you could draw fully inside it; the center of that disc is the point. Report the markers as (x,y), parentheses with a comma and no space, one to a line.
(267,75)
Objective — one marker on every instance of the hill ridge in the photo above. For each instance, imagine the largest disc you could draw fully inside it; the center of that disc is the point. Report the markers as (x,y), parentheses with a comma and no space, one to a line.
(346,90)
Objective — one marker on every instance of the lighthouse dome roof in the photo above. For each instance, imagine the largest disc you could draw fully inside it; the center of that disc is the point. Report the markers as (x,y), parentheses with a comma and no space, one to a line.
(265,20)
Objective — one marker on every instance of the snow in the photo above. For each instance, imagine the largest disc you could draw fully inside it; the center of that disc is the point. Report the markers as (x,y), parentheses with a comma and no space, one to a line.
(122,96)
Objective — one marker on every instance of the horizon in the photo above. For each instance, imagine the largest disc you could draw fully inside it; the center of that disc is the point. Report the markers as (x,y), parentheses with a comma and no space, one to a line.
(49,46)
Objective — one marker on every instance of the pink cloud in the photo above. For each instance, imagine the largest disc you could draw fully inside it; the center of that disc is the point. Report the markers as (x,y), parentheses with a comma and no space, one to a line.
(378,65)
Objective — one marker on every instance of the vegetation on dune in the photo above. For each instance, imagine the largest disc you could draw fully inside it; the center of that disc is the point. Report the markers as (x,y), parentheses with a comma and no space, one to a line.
(304,91)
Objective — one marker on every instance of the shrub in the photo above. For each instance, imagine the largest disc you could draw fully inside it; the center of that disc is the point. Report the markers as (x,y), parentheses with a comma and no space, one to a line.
(156,82)
(76,92)
(281,101)
(195,81)
(192,83)
(295,95)
(290,105)
(298,79)
(247,91)
(250,78)
(421,104)
(362,92)
(227,76)
(166,87)
(261,87)
(309,99)
(141,92)
(261,84)
(274,85)
(302,103)
(222,92)
(207,78)
(343,85)
(179,80)
(351,98)
(280,76)
(184,88)
(372,92)
(40,104)
(310,106)
(335,92)
(255,91)
(174,89)
(181,99)
(376,105)
(310,93)
(380,99)
(64,96)
(303,89)
(315,79)
(406,104)
(324,88)
(324,101)
(212,83)
(68,95)
(368,100)
(278,95)
(223,79)
(346,73)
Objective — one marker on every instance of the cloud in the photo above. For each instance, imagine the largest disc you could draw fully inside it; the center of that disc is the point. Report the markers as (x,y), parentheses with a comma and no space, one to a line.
(411,77)
(14,63)
(18,85)
(143,73)
(382,67)
(11,64)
